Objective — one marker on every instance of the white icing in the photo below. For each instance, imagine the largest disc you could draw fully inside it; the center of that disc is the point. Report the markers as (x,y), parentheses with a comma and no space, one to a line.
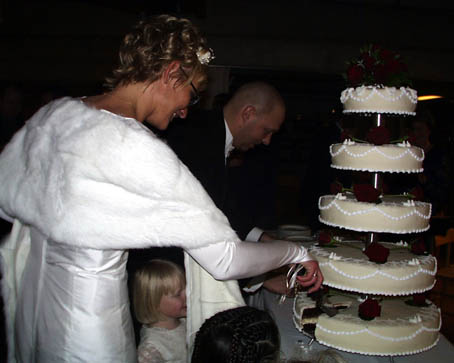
(404,144)
(389,216)
(352,270)
(399,339)
(413,262)
(416,351)
(368,157)
(333,256)
(340,196)
(416,319)
(401,328)
(373,99)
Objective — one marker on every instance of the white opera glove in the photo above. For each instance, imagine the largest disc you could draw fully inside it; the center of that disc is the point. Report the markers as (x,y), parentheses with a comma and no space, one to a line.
(237,260)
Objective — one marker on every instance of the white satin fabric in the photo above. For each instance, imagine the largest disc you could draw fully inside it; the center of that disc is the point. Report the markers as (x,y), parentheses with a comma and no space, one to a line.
(81,307)
(89,184)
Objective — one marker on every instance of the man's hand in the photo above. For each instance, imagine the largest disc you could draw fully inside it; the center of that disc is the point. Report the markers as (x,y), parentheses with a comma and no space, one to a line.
(313,276)
(265,237)
(276,284)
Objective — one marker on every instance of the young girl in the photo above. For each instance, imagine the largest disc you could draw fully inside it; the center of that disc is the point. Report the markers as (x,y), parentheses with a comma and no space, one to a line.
(160,305)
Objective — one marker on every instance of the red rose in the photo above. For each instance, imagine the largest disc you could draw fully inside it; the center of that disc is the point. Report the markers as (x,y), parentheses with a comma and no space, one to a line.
(419,299)
(377,253)
(355,74)
(393,66)
(418,193)
(387,55)
(324,238)
(365,193)
(368,61)
(378,135)
(381,74)
(369,309)
(418,247)
(376,65)
(335,187)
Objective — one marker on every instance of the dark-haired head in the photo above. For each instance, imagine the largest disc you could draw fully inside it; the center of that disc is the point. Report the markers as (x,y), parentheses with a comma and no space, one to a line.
(240,335)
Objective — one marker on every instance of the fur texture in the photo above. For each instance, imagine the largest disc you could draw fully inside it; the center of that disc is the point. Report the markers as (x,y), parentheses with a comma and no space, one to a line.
(93,179)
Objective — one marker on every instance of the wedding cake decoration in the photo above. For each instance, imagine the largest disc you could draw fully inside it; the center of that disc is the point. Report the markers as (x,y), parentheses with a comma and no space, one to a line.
(377,153)
(392,215)
(380,286)
(388,327)
(398,158)
(347,268)
(378,80)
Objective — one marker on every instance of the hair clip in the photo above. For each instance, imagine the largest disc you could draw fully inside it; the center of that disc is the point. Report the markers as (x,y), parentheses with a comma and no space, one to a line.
(205,56)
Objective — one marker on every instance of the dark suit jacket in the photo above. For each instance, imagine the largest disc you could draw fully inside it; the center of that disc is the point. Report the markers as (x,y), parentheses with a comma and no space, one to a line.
(199,142)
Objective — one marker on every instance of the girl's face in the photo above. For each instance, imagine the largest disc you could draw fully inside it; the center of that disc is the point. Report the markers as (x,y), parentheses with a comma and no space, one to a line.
(173,305)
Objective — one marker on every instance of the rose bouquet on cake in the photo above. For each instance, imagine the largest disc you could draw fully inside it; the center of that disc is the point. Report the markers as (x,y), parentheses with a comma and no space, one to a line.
(377,66)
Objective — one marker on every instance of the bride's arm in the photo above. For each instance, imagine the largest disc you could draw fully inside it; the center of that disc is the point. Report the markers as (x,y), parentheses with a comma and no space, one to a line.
(235,260)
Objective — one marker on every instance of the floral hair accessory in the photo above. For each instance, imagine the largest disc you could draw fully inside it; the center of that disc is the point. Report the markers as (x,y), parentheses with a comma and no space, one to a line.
(205,56)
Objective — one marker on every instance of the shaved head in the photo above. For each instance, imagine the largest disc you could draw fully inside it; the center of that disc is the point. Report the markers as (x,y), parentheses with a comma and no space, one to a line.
(261,95)
(254,113)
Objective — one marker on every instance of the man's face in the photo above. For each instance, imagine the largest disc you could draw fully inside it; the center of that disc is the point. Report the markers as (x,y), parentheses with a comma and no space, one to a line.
(259,129)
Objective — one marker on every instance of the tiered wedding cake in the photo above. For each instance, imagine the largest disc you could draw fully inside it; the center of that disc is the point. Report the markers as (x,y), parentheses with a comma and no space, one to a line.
(378,314)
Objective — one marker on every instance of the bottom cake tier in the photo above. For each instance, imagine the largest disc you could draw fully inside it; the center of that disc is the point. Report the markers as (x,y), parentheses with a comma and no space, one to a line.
(400,330)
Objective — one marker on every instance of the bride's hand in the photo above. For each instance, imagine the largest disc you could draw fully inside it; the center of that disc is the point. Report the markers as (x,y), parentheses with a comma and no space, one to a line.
(313,276)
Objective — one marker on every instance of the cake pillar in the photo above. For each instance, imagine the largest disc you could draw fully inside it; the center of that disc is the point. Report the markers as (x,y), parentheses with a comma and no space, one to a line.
(377,183)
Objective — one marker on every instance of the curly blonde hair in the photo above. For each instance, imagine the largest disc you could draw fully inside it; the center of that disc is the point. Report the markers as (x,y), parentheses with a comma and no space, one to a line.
(155,43)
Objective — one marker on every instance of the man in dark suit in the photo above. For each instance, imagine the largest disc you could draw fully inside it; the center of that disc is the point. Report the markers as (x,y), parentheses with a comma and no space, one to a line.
(203,141)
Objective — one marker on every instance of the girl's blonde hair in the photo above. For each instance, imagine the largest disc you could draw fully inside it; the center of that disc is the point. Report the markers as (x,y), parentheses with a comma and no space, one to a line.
(151,282)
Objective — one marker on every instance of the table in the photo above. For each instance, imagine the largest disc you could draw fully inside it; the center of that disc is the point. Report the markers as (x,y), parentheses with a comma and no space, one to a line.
(442,352)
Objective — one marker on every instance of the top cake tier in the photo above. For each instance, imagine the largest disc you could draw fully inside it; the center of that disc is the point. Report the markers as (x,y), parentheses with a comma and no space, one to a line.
(374,99)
